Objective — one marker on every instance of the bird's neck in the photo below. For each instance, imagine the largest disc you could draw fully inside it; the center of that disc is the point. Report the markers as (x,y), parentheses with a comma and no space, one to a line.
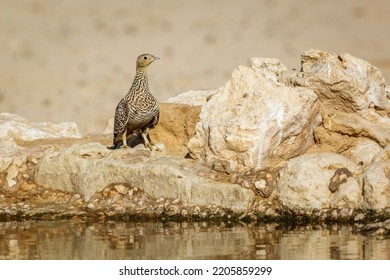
(141,79)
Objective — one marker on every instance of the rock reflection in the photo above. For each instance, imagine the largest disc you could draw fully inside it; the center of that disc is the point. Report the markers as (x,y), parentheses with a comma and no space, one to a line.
(195,240)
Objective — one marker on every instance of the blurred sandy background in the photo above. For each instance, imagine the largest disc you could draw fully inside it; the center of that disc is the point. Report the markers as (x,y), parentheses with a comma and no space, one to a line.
(74,60)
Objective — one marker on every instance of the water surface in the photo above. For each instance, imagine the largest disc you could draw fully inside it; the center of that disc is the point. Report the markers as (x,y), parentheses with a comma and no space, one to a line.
(120,240)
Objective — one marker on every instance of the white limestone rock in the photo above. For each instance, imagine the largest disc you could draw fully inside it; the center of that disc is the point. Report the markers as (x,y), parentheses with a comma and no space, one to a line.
(363,152)
(353,93)
(90,168)
(254,120)
(384,155)
(13,157)
(305,182)
(376,181)
(193,97)
(14,126)
(269,68)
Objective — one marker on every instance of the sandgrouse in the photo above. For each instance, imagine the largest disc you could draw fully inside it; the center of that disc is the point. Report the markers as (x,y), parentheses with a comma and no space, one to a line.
(138,110)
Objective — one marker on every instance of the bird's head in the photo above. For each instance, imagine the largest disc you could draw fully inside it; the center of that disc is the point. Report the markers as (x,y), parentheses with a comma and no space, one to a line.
(145,59)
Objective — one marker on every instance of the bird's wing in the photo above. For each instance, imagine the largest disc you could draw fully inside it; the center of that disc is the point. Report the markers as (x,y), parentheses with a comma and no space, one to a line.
(121,116)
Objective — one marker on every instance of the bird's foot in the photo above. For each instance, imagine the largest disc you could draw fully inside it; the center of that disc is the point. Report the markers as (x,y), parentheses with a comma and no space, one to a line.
(149,146)
(124,146)
(113,147)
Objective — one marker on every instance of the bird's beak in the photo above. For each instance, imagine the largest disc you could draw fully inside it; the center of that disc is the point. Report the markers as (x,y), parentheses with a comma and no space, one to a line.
(156,57)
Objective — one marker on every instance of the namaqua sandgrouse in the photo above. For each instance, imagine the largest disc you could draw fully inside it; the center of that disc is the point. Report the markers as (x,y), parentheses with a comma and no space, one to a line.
(138,110)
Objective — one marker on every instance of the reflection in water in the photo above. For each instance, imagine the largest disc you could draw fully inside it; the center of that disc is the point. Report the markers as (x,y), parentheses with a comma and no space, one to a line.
(119,240)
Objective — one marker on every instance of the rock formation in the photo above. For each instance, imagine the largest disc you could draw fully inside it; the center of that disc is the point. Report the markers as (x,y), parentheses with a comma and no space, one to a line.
(376,184)
(305,180)
(269,144)
(91,168)
(15,130)
(254,120)
(16,127)
(353,94)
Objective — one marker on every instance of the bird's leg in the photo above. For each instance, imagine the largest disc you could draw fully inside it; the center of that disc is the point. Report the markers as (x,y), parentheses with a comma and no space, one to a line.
(144,133)
(116,141)
(124,139)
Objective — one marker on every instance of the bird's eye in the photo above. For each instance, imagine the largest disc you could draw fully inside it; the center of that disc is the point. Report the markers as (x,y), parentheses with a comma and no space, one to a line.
(145,58)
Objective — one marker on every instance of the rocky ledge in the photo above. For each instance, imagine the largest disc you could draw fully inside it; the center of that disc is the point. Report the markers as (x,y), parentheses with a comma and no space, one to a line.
(271,144)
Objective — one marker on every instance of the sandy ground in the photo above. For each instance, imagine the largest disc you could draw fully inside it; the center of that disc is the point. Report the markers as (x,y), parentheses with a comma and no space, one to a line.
(74,60)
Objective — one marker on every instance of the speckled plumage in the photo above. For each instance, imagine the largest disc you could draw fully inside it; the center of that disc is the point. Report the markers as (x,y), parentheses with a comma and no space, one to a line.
(138,110)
